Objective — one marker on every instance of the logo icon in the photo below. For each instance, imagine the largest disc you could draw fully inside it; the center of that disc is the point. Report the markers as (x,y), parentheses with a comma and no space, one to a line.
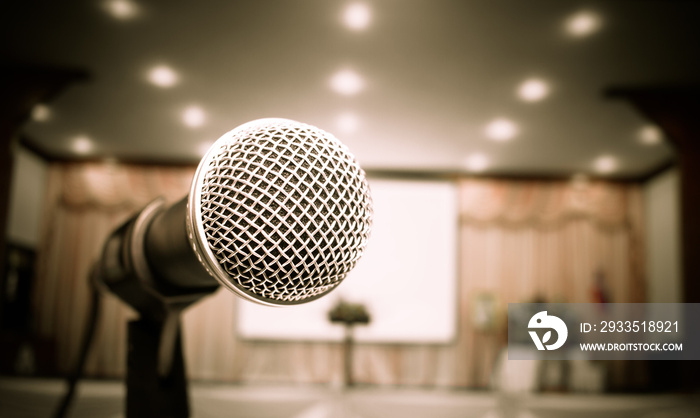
(541,320)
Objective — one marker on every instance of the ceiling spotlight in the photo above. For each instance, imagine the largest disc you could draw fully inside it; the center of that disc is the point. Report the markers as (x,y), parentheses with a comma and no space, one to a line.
(650,135)
(347,123)
(41,113)
(582,24)
(477,162)
(163,76)
(605,164)
(501,129)
(122,9)
(533,90)
(82,144)
(347,82)
(357,16)
(194,117)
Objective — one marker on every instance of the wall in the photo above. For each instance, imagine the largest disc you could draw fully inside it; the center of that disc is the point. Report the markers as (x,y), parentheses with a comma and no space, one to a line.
(26,198)
(662,224)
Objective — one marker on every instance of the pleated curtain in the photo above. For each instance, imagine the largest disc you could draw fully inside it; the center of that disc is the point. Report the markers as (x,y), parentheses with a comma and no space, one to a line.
(520,241)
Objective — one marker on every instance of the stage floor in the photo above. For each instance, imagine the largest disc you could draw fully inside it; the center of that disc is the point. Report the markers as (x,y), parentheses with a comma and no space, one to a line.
(36,398)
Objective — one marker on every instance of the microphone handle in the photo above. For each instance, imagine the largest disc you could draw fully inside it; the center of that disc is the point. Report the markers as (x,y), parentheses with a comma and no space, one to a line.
(170,253)
(149,264)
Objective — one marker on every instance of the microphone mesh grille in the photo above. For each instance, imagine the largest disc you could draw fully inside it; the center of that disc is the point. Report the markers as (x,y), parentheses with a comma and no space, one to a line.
(286,210)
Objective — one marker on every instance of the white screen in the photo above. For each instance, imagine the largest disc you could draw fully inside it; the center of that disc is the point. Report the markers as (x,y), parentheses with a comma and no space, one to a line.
(407,278)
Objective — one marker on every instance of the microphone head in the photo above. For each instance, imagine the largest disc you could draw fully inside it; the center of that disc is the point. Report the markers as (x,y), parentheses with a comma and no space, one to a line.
(279,211)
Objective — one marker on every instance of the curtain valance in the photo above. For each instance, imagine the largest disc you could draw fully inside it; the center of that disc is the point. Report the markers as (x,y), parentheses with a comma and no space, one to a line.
(543,203)
(115,186)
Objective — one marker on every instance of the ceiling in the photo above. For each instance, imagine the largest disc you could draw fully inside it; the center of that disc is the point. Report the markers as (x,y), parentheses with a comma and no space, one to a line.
(419,83)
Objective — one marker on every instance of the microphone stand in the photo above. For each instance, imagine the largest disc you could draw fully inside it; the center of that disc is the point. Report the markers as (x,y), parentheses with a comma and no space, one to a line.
(349,315)
(156,382)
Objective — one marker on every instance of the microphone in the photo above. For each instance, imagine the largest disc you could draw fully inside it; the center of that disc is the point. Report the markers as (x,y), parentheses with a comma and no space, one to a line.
(279,212)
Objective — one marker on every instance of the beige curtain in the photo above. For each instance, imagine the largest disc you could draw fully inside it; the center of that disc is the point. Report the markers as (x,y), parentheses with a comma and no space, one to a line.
(85,202)
(519,240)
(557,241)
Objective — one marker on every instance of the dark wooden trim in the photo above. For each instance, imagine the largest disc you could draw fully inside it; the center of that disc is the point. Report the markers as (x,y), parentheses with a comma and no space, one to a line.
(23,86)
(32,147)
(407,174)
(56,157)
(387,173)
(676,110)
(665,166)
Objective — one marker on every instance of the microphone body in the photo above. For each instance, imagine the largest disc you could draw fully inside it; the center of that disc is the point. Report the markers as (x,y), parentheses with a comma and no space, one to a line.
(170,252)
(139,258)
(279,212)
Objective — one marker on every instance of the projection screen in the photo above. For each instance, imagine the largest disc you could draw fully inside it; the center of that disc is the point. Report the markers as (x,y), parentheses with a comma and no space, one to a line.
(407,278)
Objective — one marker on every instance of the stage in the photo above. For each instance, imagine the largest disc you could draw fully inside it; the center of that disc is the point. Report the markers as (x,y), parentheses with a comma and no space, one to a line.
(29,398)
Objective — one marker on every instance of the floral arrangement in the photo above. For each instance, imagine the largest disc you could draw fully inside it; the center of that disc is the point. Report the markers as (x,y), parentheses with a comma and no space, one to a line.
(349,313)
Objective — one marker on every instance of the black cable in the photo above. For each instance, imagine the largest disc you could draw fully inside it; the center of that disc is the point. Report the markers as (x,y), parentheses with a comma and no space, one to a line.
(77,373)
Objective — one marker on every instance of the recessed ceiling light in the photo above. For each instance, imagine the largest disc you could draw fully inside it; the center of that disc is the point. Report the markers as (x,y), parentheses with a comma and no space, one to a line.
(477,162)
(357,16)
(501,129)
(533,90)
(605,164)
(82,144)
(347,82)
(347,122)
(194,117)
(163,76)
(122,9)
(650,135)
(582,24)
(41,113)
